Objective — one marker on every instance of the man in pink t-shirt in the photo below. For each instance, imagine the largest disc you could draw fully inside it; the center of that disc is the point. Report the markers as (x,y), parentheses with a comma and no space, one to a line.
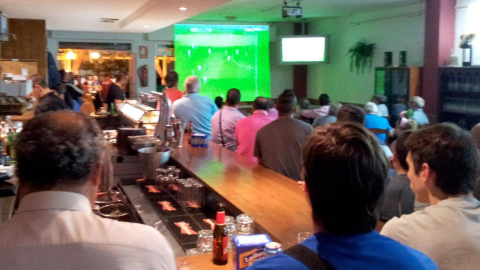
(248,127)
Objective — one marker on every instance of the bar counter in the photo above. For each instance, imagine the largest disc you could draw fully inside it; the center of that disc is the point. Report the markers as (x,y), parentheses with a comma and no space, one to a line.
(277,203)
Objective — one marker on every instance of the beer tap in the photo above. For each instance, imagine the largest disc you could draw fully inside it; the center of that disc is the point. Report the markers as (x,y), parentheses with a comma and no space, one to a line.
(164,117)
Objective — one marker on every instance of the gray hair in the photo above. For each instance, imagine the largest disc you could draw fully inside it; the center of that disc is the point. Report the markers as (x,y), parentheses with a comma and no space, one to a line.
(304,103)
(370,108)
(191,85)
(59,148)
(420,102)
(334,108)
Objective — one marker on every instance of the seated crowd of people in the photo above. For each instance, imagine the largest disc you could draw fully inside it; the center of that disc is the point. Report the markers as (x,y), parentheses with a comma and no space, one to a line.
(422,194)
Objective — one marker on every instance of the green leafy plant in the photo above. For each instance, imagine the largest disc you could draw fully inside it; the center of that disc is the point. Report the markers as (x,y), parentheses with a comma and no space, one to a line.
(361,56)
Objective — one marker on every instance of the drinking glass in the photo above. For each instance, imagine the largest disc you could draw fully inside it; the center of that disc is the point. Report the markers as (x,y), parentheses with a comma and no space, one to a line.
(244,225)
(205,241)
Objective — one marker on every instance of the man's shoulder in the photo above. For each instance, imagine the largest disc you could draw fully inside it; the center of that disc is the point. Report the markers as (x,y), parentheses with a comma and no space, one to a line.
(280,261)
(404,227)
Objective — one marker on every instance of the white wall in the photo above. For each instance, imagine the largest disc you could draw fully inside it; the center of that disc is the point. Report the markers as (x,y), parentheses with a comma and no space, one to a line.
(467,21)
(398,29)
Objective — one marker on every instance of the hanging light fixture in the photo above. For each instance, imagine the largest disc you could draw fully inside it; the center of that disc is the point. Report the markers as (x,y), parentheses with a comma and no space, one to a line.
(94,55)
(71,55)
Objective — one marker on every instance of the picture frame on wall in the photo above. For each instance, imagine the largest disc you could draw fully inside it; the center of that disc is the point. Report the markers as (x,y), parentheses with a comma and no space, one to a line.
(143,52)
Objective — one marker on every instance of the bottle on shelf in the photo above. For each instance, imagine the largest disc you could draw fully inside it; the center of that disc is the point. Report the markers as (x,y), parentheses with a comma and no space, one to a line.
(467,52)
(112,108)
(220,238)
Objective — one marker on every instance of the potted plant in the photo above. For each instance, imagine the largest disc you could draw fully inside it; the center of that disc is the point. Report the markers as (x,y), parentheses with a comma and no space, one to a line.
(361,56)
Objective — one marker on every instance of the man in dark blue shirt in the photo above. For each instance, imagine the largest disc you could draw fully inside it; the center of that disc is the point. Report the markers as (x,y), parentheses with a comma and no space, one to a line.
(48,100)
(344,170)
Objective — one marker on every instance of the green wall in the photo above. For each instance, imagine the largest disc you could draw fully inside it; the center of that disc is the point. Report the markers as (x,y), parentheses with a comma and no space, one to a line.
(399,29)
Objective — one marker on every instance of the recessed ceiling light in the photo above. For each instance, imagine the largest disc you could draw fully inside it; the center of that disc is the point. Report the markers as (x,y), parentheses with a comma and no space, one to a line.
(183,8)
(146,26)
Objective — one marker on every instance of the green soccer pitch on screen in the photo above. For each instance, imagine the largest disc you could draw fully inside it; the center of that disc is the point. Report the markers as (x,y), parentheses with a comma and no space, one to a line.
(224,57)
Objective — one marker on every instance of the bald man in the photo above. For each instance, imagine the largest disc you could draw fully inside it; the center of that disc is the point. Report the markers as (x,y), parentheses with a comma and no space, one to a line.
(195,108)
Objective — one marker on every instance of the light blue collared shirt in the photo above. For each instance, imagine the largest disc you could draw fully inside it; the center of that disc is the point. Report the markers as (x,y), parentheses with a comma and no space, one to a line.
(420,117)
(198,109)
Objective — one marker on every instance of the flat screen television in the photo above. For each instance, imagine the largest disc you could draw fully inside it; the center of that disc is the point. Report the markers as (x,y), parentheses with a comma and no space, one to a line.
(3,27)
(224,57)
(303,50)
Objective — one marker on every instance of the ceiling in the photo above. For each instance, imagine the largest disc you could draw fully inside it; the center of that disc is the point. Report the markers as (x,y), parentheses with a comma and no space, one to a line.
(144,16)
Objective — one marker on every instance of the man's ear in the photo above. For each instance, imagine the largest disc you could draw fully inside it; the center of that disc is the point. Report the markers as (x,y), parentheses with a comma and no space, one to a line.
(96,178)
(395,156)
(427,175)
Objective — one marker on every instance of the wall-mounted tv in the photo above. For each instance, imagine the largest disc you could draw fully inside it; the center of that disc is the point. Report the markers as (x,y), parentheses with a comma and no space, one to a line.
(303,50)
(3,27)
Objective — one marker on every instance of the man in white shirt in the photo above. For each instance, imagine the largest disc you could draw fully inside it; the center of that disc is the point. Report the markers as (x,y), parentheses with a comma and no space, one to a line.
(59,163)
(224,121)
(442,163)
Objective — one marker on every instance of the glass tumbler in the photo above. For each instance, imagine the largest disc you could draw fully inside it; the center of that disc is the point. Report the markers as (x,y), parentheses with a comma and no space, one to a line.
(205,241)
(244,225)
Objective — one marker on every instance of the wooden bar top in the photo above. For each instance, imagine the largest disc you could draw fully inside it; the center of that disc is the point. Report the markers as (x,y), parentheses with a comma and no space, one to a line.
(203,262)
(276,203)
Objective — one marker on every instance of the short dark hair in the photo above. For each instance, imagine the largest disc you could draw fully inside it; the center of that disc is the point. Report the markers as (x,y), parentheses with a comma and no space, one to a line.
(171,79)
(401,149)
(351,113)
(451,154)
(345,170)
(219,101)
(324,99)
(119,76)
(260,103)
(287,102)
(271,103)
(59,148)
(233,97)
(40,80)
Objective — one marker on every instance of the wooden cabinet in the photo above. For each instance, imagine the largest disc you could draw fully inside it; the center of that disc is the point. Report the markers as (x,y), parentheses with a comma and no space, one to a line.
(399,85)
(30,43)
(460,95)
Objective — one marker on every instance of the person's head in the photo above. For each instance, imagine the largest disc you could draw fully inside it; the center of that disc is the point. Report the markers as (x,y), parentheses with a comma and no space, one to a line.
(271,104)
(95,78)
(400,151)
(370,108)
(442,162)
(304,104)
(261,103)
(324,99)
(344,169)
(219,101)
(476,134)
(121,79)
(172,79)
(379,99)
(69,77)
(39,86)
(60,150)
(89,77)
(351,113)
(416,102)
(233,97)
(334,108)
(191,85)
(287,103)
